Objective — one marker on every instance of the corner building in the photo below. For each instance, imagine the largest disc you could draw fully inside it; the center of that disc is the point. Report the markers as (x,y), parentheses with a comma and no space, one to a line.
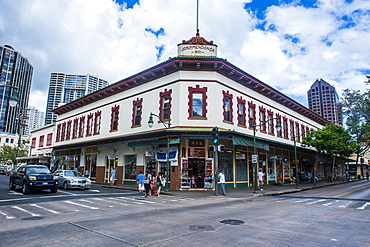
(196,91)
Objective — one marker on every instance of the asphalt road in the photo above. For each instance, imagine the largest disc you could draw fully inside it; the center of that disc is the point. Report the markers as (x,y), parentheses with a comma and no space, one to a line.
(330,216)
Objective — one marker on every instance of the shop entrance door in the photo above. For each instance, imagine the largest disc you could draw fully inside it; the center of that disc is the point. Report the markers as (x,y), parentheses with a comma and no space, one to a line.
(197,169)
(279,173)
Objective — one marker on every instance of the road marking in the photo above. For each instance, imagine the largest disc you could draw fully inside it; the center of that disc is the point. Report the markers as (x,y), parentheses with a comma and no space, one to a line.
(7,216)
(345,193)
(15,193)
(131,199)
(81,205)
(69,193)
(305,200)
(364,206)
(47,209)
(94,190)
(321,200)
(110,201)
(24,210)
(345,205)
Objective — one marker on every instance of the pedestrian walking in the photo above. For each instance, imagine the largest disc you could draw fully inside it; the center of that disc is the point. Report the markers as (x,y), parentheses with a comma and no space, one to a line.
(367,176)
(113,174)
(260,178)
(140,182)
(221,176)
(146,181)
(87,174)
(159,181)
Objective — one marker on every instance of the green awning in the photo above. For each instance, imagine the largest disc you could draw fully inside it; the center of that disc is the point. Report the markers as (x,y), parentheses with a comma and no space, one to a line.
(148,143)
(248,142)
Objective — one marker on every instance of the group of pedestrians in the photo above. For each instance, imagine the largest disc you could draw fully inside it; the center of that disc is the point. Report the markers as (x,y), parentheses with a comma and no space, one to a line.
(148,184)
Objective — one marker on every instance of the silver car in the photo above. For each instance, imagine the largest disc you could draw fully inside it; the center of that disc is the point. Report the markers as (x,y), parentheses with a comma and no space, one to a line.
(71,179)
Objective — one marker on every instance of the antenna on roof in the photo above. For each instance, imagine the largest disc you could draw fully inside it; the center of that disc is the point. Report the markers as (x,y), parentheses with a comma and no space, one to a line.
(197,16)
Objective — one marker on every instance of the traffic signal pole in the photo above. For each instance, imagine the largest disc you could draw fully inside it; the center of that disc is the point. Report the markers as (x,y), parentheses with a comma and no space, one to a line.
(215,143)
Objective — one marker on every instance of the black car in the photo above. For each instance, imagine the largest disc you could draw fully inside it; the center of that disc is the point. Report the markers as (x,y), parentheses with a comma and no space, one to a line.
(33,177)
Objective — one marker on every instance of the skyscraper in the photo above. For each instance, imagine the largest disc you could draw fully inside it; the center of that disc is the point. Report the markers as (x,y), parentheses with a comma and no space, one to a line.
(65,88)
(35,119)
(15,80)
(324,101)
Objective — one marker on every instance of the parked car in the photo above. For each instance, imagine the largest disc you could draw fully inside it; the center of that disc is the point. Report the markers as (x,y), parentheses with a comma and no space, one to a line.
(33,177)
(71,179)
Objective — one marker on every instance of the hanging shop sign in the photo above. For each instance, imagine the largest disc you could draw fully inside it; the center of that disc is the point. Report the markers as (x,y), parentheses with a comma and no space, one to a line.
(111,156)
(240,156)
(162,155)
(149,154)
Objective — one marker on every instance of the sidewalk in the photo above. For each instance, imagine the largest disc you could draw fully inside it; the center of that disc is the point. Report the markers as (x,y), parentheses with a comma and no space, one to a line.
(238,192)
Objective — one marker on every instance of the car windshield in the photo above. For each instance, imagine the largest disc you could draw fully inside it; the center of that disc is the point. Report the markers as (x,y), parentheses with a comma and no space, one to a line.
(37,170)
(72,174)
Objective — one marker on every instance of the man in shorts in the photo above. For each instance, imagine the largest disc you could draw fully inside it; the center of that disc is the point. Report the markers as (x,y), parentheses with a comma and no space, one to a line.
(260,178)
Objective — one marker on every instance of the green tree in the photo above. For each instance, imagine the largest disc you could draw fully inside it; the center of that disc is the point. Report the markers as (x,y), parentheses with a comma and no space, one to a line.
(9,153)
(332,140)
(356,109)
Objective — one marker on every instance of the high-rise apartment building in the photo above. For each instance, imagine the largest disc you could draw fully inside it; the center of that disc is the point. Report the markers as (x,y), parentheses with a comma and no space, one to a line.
(65,88)
(324,101)
(15,80)
(35,119)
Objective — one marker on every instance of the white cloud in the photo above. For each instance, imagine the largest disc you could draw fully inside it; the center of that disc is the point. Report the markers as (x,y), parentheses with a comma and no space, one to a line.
(98,37)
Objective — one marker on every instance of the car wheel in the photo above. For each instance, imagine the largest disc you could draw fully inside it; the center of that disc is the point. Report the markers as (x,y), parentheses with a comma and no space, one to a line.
(65,186)
(25,189)
(86,188)
(54,190)
(11,185)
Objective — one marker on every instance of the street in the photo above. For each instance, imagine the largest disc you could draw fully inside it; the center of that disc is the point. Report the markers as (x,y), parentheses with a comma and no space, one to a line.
(329,216)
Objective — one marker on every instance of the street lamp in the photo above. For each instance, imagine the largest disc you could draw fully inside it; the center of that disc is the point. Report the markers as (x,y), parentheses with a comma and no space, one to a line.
(255,160)
(167,125)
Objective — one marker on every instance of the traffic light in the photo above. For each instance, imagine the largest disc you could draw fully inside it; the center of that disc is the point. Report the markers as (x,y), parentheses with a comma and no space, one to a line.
(215,136)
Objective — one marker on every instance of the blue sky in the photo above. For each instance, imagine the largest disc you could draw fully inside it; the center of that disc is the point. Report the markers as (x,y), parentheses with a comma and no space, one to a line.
(287,44)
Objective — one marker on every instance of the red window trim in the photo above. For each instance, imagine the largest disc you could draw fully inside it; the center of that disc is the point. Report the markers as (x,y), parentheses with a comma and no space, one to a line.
(292,130)
(251,105)
(161,96)
(41,141)
(63,132)
(285,131)
(134,104)
(226,94)
(270,123)
(96,123)
(49,139)
(203,91)
(81,127)
(114,109)
(240,100)
(75,129)
(57,138)
(263,128)
(279,133)
(68,130)
(89,124)
(33,142)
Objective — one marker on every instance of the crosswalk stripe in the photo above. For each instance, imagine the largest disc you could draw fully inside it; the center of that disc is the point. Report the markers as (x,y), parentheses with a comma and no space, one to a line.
(81,205)
(47,209)
(7,216)
(24,210)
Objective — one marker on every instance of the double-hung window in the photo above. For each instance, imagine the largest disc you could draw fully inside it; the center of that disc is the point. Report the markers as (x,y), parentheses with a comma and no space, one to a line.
(165,105)
(270,123)
(241,112)
(228,106)
(251,115)
(81,127)
(89,125)
(114,118)
(262,119)
(97,122)
(75,128)
(197,103)
(136,112)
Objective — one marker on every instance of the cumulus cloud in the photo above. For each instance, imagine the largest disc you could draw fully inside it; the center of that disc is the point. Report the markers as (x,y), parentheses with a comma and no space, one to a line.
(289,49)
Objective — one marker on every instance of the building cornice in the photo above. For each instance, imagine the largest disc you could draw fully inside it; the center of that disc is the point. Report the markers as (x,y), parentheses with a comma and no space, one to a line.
(172,65)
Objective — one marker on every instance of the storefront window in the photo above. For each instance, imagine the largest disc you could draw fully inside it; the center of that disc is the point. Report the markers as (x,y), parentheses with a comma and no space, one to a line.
(151,165)
(226,163)
(130,167)
(271,168)
(241,167)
